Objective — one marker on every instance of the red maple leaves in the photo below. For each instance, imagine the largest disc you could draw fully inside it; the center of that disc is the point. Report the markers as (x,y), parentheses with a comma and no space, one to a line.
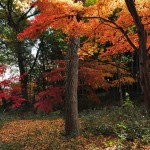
(10,90)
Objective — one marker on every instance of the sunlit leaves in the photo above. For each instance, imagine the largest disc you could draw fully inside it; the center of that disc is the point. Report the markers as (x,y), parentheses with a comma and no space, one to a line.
(22,4)
(54,12)
(90,2)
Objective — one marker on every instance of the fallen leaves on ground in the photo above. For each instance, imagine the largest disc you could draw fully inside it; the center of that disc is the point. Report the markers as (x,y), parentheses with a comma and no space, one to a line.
(48,135)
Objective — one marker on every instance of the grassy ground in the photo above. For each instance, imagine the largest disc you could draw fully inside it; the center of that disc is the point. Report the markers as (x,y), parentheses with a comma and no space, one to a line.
(112,128)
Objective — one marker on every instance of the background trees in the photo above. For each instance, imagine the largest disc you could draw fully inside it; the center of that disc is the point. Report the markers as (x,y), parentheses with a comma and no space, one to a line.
(143,50)
(13,20)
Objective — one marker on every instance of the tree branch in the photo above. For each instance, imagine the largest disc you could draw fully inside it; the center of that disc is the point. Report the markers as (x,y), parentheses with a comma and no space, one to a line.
(117,27)
(24,15)
(4,7)
(99,59)
(34,63)
(10,19)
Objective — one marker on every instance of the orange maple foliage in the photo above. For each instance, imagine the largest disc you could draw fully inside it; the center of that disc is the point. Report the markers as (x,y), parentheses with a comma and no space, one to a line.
(64,15)
(99,22)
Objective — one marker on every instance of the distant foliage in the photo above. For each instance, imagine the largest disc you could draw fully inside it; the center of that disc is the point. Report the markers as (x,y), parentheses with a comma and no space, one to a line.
(53,92)
(92,75)
(10,92)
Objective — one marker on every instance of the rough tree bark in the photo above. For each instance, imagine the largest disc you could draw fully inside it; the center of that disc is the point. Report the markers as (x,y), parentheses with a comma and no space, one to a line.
(142,53)
(71,100)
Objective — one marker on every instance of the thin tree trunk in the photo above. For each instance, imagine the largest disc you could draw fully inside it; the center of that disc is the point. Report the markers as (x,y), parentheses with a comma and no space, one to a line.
(143,54)
(119,77)
(23,73)
(19,53)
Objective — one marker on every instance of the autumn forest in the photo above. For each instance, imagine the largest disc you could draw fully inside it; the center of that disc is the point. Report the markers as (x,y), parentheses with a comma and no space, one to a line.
(74,75)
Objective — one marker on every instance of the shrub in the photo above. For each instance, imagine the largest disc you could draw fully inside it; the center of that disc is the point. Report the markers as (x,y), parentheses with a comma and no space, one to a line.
(126,124)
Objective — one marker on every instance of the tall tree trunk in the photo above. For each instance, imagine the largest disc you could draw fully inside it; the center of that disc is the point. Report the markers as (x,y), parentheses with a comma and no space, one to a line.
(71,99)
(23,73)
(19,51)
(143,54)
(71,102)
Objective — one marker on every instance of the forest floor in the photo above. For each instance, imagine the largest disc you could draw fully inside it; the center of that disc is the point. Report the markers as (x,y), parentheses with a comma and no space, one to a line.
(99,131)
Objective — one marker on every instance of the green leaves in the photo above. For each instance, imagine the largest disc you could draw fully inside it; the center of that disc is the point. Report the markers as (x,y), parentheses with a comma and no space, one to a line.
(126,124)
(114,16)
(131,29)
(90,2)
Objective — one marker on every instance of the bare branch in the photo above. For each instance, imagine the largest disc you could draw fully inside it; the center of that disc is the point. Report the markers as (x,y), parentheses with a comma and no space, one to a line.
(4,7)
(104,62)
(34,63)
(24,15)
(10,19)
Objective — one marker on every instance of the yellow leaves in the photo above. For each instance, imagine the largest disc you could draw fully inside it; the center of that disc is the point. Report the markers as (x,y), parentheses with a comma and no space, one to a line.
(22,4)
(48,134)
(43,135)
(29,133)
(88,48)
(91,10)
(123,81)
(106,7)
(59,6)
(142,4)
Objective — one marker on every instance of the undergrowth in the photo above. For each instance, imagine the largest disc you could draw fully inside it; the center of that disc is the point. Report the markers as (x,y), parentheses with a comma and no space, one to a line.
(122,128)
(126,123)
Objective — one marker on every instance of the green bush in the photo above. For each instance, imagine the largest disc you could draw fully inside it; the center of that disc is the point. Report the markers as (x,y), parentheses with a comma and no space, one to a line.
(126,123)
